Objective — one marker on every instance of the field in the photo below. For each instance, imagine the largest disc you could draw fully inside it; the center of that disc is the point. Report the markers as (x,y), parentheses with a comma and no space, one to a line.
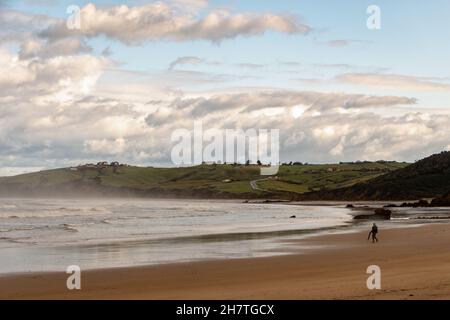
(222,181)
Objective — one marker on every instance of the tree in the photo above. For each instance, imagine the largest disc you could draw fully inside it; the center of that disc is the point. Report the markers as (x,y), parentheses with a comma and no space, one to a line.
(115,165)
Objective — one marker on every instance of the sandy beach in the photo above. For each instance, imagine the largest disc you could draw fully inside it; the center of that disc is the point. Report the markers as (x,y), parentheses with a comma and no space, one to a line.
(414,262)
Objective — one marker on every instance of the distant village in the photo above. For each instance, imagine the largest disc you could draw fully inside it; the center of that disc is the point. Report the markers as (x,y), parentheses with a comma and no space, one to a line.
(115,165)
(100,166)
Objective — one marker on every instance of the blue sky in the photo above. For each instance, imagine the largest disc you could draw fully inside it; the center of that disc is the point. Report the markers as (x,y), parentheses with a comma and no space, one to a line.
(413,39)
(329,73)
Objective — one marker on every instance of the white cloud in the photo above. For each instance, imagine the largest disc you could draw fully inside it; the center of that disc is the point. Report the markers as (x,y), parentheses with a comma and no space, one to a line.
(106,147)
(54,113)
(62,47)
(92,128)
(394,82)
(185,60)
(256,101)
(338,43)
(160,21)
(18,26)
(57,78)
(49,117)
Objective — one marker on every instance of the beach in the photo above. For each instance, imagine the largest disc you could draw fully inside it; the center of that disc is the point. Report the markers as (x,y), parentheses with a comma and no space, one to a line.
(414,262)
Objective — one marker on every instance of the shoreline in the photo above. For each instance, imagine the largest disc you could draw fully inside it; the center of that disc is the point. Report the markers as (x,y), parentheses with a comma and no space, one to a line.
(415,264)
(244,198)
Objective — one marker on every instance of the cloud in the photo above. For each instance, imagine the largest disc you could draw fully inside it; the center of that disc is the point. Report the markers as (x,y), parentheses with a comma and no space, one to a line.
(105,146)
(19,26)
(314,101)
(54,113)
(22,29)
(332,127)
(184,61)
(160,21)
(395,82)
(60,47)
(337,43)
(192,60)
(58,132)
(194,5)
(290,63)
(49,119)
(55,78)
(251,65)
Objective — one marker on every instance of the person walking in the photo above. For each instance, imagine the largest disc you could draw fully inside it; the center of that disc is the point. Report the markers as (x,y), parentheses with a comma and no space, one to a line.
(373,233)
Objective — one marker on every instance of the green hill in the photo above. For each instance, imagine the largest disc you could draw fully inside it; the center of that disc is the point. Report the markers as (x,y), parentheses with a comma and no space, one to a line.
(427,178)
(204,181)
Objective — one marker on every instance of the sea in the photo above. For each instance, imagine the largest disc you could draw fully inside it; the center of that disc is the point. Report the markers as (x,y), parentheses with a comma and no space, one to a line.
(44,235)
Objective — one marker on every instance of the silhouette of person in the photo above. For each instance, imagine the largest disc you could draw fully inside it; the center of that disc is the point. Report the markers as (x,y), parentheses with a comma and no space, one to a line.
(373,233)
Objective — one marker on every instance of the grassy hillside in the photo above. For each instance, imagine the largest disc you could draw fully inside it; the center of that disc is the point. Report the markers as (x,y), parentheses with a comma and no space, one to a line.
(216,181)
(427,178)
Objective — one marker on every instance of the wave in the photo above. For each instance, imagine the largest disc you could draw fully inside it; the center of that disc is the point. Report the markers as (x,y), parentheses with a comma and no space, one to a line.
(8,206)
(70,209)
(69,227)
(19,229)
(53,213)
(24,240)
(64,226)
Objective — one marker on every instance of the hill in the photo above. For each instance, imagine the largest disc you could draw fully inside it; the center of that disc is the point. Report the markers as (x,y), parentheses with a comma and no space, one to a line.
(204,181)
(427,178)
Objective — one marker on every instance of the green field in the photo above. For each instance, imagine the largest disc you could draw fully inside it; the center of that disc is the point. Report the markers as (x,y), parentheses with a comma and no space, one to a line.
(230,181)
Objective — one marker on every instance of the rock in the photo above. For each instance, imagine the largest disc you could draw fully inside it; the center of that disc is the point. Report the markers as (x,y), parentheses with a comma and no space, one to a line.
(441,202)
(349,206)
(437,202)
(432,218)
(419,204)
(422,203)
(383,212)
(379,214)
(292,217)
(405,204)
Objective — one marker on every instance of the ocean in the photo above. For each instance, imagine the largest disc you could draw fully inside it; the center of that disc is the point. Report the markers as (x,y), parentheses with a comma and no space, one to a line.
(50,235)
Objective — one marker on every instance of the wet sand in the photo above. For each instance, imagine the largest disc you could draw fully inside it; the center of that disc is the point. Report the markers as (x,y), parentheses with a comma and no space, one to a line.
(414,262)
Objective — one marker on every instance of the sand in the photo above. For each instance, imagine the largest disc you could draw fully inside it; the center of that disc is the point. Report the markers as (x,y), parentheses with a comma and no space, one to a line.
(414,262)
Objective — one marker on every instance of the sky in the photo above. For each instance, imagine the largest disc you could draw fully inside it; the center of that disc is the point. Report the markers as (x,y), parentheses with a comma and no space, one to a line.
(119,84)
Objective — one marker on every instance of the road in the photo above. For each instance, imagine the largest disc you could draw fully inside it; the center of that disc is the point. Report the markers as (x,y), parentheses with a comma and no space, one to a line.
(254,184)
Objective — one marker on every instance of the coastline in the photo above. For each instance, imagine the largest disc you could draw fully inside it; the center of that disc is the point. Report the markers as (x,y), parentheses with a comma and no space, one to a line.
(415,264)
